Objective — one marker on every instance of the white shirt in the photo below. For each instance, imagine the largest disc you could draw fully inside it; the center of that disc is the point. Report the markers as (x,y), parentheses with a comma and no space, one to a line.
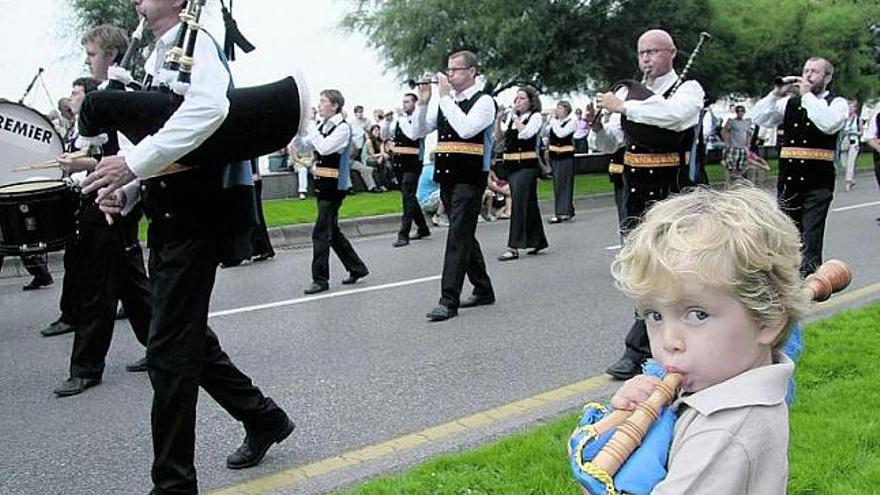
(563,128)
(406,125)
(532,127)
(203,110)
(828,118)
(679,112)
(335,142)
(467,125)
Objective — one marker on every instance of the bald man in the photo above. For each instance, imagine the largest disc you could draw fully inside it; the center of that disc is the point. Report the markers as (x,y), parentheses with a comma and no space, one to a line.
(810,121)
(657,133)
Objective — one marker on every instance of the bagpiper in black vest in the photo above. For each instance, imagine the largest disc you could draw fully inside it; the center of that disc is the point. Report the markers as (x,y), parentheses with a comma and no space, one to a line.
(561,148)
(655,159)
(458,160)
(806,159)
(407,153)
(331,171)
(520,153)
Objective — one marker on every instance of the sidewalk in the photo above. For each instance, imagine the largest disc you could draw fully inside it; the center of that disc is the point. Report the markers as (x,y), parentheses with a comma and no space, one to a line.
(300,235)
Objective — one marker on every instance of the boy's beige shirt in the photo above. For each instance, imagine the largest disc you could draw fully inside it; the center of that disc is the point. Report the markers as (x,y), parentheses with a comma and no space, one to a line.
(732,438)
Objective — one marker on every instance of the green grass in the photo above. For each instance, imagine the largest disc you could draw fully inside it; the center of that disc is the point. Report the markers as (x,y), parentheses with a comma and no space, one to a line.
(292,211)
(835,440)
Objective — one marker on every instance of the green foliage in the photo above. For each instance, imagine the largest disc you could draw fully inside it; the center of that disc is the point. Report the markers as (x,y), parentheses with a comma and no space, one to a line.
(562,46)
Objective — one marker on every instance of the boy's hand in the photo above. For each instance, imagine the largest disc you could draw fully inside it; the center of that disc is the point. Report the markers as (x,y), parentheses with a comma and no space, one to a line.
(633,391)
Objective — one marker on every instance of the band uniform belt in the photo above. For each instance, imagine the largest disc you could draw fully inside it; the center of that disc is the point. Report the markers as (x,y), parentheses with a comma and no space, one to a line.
(459,147)
(332,173)
(807,154)
(561,149)
(525,155)
(405,150)
(170,169)
(615,168)
(649,160)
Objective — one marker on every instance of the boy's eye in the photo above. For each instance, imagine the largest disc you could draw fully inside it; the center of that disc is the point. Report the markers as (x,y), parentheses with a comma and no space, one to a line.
(697,315)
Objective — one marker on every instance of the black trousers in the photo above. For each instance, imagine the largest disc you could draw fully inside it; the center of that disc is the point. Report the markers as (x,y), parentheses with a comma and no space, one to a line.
(526,227)
(260,234)
(71,292)
(638,347)
(809,209)
(111,270)
(326,236)
(463,255)
(183,353)
(37,265)
(563,185)
(619,200)
(409,183)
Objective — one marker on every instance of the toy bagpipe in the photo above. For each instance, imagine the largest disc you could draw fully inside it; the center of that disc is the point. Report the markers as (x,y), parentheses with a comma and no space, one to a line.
(625,452)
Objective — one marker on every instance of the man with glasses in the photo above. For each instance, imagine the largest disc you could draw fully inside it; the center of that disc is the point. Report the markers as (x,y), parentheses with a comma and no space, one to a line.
(463,119)
(658,133)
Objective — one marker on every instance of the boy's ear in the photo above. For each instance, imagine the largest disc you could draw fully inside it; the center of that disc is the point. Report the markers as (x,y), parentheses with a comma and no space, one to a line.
(769,331)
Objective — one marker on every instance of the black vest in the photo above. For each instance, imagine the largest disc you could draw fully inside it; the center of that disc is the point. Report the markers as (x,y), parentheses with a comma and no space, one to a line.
(327,169)
(877,136)
(458,160)
(564,146)
(806,157)
(520,153)
(406,156)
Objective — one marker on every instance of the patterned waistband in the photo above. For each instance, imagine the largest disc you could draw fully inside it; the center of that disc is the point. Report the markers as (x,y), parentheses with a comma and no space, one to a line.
(650,160)
(561,149)
(330,173)
(807,154)
(525,155)
(404,150)
(615,168)
(459,147)
(174,168)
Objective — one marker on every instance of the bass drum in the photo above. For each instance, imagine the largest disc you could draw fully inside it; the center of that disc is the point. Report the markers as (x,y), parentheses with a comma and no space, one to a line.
(26,137)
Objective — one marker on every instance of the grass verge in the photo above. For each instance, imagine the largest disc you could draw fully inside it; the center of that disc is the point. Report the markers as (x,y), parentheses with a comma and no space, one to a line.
(835,441)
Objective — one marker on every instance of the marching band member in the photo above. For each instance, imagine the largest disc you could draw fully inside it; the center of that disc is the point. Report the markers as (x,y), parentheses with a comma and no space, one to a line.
(651,171)
(331,142)
(521,131)
(463,120)
(561,147)
(183,353)
(407,161)
(810,122)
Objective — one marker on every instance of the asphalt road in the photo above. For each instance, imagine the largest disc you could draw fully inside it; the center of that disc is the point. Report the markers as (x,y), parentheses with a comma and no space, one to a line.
(355,366)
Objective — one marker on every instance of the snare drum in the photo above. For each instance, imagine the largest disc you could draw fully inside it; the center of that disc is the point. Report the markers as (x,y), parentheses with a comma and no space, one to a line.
(37,216)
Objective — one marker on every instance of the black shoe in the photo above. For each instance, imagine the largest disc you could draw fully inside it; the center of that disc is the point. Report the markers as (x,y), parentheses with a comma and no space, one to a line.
(230,263)
(38,283)
(477,301)
(57,327)
(138,366)
(316,287)
(75,385)
(400,243)
(354,277)
(441,313)
(420,235)
(262,257)
(624,369)
(554,220)
(535,251)
(254,447)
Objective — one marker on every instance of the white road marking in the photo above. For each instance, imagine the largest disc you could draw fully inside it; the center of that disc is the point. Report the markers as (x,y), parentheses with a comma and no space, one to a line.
(853,207)
(612,248)
(326,295)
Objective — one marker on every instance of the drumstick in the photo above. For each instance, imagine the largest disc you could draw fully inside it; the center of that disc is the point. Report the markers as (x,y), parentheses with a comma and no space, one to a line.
(53,163)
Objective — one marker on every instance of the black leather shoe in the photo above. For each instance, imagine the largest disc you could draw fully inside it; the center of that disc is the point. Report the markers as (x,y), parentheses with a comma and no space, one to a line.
(400,243)
(354,277)
(255,445)
(75,385)
(624,369)
(535,251)
(57,327)
(441,313)
(138,366)
(315,288)
(420,235)
(477,301)
(38,283)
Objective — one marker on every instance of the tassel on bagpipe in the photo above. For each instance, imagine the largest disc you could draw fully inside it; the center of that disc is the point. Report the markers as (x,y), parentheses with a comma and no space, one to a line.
(616,452)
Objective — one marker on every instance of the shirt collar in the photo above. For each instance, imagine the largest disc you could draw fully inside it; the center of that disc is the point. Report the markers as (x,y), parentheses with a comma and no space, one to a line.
(467,93)
(763,386)
(335,119)
(664,82)
(169,38)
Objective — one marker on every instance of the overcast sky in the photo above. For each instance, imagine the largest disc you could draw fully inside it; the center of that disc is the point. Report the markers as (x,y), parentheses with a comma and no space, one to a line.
(39,33)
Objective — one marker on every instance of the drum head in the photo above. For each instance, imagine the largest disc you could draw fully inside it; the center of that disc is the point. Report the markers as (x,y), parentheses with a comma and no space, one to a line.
(30,187)
(26,137)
